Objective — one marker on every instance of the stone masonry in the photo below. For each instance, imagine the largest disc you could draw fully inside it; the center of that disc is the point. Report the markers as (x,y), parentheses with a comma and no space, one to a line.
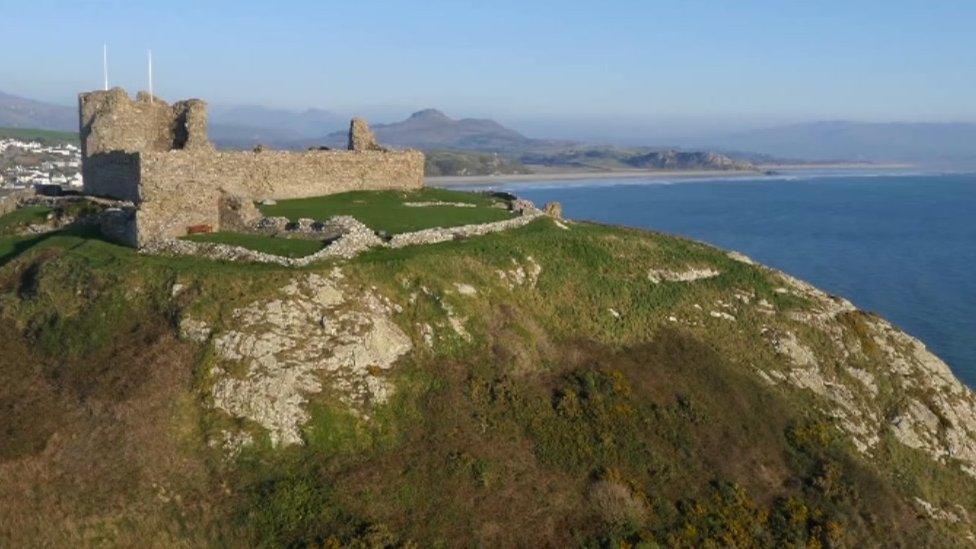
(158,156)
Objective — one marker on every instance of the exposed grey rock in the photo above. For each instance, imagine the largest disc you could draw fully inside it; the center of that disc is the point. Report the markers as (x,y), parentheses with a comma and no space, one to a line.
(195,330)
(465,289)
(315,330)
(690,275)
(439,203)
(521,275)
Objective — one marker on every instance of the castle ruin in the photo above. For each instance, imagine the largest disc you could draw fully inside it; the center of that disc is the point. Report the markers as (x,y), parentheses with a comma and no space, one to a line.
(158,157)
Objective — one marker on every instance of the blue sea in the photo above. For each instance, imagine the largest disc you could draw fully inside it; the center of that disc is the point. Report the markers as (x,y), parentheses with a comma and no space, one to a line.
(901,245)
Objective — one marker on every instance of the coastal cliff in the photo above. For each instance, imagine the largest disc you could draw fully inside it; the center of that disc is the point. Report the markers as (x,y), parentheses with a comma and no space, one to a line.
(560,383)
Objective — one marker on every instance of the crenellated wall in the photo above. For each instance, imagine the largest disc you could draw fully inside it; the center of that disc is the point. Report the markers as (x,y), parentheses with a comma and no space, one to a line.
(158,156)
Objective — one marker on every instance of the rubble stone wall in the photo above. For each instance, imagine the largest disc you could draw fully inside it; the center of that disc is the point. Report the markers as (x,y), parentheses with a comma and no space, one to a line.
(167,179)
(113,127)
(158,156)
(281,175)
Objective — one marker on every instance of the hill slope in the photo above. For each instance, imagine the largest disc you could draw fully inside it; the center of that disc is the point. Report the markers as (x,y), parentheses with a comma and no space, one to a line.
(20,112)
(45,137)
(546,386)
(432,129)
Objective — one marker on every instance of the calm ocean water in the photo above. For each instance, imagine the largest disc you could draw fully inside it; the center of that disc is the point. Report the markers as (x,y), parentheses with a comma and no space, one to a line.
(903,246)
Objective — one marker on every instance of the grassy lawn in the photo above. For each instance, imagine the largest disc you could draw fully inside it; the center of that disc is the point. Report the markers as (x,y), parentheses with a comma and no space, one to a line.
(22,217)
(385,210)
(287,247)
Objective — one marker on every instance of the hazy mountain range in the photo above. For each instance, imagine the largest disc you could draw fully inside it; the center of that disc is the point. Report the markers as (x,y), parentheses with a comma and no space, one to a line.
(432,129)
(246,126)
(915,142)
(20,112)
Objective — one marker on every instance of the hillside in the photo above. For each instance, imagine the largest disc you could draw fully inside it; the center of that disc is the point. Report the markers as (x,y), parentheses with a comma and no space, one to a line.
(44,137)
(553,385)
(617,158)
(463,163)
(20,112)
(432,129)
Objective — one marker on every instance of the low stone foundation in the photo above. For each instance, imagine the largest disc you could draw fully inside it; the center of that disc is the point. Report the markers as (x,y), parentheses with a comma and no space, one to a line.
(355,238)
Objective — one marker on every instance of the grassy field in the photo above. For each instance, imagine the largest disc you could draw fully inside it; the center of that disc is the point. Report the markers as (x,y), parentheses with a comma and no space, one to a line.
(385,210)
(287,247)
(22,217)
(555,423)
(45,137)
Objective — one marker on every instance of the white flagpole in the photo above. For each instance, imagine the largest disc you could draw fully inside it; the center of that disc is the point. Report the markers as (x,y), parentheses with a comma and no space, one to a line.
(105,64)
(150,78)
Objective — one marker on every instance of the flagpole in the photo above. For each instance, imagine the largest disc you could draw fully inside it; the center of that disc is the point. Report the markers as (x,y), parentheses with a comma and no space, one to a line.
(105,64)
(150,78)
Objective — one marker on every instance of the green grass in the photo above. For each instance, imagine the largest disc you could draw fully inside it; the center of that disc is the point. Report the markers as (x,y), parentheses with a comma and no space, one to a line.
(23,217)
(45,137)
(496,441)
(287,247)
(384,210)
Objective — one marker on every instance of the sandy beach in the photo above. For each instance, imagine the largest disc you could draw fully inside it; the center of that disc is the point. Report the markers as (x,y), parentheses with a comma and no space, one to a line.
(459,181)
(454,181)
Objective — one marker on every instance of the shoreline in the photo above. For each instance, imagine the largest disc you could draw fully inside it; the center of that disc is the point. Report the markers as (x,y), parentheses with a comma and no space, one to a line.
(463,180)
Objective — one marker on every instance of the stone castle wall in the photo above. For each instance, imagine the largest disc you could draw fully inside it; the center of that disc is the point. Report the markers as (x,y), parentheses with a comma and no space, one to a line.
(158,156)
(167,177)
(112,127)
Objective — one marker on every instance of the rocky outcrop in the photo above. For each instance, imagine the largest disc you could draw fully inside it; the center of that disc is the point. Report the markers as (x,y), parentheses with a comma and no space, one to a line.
(921,404)
(689,275)
(316,333)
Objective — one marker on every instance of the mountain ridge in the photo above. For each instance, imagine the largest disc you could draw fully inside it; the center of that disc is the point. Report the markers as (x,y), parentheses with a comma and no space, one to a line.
(432,129)
(21,112)
(932,142)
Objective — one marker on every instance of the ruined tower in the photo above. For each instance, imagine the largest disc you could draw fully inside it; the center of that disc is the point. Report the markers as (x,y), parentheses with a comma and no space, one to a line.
(158,157)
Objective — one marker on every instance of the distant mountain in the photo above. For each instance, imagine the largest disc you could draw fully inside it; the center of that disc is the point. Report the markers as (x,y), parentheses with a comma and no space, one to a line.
(932,143)
(243,127)
(431,129)
(20,112)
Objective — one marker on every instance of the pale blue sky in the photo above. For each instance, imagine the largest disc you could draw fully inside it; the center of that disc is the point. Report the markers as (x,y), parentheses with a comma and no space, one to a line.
(707,61)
